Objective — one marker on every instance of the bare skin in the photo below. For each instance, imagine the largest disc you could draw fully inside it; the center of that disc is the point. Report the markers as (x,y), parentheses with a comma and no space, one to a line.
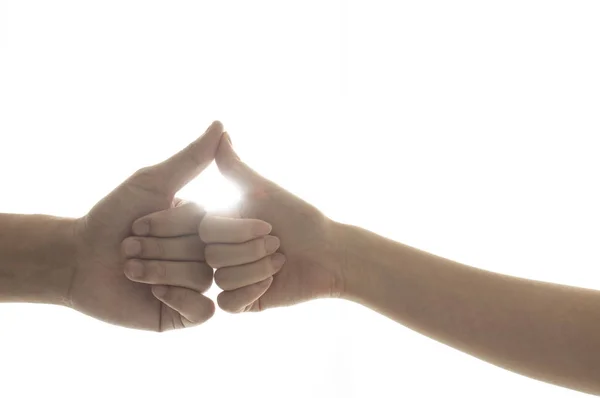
(307,243)
(163,262)
(546,331)
(99,287)
(79,262)
(37,257)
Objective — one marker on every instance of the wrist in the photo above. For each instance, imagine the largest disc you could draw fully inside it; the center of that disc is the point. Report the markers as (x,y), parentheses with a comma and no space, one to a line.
(54,258)
(37,255)
(345,246)
(64,262)
(362,257)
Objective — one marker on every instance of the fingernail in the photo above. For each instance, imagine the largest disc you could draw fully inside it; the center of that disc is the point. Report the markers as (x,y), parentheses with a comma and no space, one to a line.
(271,243)
(159,291)
(261,228)
(141,228)
(133,248)
(135,269)
(277,260)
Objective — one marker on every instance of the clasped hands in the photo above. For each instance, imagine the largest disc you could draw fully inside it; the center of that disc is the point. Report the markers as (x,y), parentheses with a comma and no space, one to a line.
(144,258)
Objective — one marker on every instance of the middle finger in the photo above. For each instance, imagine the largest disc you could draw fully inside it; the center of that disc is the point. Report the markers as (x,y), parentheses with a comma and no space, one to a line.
(184,248)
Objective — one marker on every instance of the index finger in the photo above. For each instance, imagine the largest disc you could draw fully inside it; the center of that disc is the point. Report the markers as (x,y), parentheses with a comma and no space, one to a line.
(177,221)
(216,229)
(175,172)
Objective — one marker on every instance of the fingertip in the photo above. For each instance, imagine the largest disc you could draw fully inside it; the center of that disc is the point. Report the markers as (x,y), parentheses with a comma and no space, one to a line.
(216,127)
(131,247)
(134,270)
(141,227)
(198,311)
(272,243)
(261,228)
(242,299)
(211,308)
(217,124)
(277,260)
(160,291)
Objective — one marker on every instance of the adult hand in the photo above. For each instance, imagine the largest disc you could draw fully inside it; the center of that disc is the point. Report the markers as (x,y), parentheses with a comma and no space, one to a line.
(99,286)
(307,240)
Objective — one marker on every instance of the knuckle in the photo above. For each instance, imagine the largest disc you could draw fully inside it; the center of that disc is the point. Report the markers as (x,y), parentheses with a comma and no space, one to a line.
(190,151)
(142,173)
(158,249)
(145,179)
(160,270)
(142,177)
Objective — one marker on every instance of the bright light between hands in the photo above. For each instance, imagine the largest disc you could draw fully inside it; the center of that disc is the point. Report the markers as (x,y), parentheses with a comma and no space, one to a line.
(213,191)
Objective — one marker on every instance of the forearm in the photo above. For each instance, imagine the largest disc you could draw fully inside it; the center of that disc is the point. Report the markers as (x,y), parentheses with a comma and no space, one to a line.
(36,258)
(545,331)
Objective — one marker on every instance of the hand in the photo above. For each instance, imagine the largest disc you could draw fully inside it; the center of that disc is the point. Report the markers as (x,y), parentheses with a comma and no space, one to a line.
(99,287)
(171,258)
(307,241)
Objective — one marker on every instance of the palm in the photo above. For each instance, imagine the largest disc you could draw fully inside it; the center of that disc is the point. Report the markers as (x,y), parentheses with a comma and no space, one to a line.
(99,287)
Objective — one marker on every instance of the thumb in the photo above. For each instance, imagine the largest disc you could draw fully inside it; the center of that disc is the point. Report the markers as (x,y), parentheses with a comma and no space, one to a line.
(231,166)
(174,173)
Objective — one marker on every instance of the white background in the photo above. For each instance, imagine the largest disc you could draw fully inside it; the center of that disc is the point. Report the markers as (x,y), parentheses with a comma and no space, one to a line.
(466,128)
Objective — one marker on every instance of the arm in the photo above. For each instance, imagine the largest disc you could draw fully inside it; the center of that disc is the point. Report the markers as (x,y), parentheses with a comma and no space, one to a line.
(36,258)
(541,330)
(545,331)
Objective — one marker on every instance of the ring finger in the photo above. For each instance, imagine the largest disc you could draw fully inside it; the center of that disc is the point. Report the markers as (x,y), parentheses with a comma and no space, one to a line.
(231,278)
(192,275)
